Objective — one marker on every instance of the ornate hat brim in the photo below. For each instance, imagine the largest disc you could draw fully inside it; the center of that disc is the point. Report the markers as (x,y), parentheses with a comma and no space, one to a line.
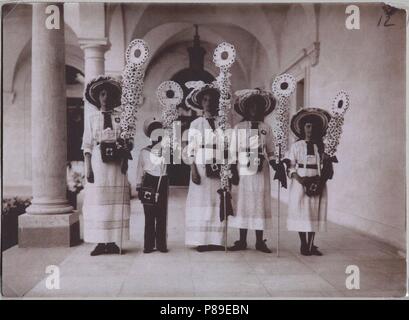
(320,115)
(193,98)
(148,123)
(240,104)
(97,84)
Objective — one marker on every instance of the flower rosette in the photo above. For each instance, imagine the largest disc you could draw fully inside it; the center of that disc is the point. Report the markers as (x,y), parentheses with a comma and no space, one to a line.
(170,95)
(133,74)
(340,104)
(339,107)
(132,85)
(282,87)
(223,57)
(137,53)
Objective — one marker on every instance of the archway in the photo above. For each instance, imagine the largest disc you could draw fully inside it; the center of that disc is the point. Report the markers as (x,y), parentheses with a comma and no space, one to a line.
(179,174)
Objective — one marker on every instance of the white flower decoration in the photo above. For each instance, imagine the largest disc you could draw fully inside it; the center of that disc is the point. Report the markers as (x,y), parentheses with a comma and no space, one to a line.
(137,52)
(132,85)
(340,104)
(224,55)
(169,93)
(283,85)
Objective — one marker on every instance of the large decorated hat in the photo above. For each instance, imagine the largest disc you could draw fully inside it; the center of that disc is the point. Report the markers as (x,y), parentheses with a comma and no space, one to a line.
(261,98)
(151,124)
(94,87)
(316,116)
(199,89)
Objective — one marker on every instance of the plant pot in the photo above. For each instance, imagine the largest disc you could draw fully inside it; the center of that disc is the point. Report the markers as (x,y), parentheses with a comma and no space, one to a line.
(72,199)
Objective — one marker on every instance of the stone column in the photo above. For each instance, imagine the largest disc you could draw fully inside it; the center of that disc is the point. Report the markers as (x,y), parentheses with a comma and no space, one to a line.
(50,220)
(94,56)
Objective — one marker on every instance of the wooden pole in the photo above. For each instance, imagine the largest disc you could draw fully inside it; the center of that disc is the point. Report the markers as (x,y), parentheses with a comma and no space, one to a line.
(122,213)
(278,206)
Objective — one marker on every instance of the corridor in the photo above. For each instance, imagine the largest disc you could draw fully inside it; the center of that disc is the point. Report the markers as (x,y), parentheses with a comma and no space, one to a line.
(183,272)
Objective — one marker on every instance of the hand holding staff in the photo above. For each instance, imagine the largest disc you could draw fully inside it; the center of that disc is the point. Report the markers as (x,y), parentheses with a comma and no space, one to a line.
(224,57)
(169,94)
(283,86)
(132,85)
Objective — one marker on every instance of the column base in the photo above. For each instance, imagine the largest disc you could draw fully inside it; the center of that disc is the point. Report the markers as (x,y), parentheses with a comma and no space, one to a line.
(45,231)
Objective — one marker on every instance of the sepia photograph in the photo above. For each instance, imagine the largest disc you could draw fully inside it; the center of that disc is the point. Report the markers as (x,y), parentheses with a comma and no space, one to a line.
(203,150)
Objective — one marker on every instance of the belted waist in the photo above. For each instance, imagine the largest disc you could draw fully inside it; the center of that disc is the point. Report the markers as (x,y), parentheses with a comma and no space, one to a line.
(308,166)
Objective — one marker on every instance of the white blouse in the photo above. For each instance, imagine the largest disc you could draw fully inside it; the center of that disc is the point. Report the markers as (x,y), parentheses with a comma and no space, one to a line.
(299,159)
(246,144)
(150,162)
(263,139)
(94,132)
(201,139)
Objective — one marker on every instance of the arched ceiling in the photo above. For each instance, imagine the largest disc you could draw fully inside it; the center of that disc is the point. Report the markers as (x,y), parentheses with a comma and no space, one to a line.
(249,18)
(167,35)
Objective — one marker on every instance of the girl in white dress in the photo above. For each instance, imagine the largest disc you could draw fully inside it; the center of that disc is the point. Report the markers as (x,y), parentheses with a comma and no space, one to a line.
(203,226)
(307,205)
(255,149)
(107,195)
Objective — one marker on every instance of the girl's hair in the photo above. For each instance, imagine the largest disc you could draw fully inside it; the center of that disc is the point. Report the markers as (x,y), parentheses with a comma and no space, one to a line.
(259,102)
(317,134)
(154,126)
(214,93)
(109,94)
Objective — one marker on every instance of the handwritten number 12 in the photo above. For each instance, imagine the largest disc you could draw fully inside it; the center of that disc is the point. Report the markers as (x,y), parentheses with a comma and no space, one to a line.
(385,24)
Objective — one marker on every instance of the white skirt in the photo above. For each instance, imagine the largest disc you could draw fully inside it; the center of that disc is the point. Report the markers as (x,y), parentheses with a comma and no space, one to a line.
(252,201)
(203,226)
(106,206)
(306,214)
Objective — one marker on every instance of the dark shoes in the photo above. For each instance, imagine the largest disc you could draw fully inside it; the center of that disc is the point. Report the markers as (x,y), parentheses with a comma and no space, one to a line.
(238,245)
(103,248)
(261,246)
(201,248)
(210,247)
(112,248)
(213,247)
(163,250)
(99,249)
(315,251)
(304,250)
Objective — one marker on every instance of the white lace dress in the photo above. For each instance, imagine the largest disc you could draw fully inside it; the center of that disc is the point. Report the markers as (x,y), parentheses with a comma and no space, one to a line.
(203,226)
(305,214)
(251,198)
(106,200)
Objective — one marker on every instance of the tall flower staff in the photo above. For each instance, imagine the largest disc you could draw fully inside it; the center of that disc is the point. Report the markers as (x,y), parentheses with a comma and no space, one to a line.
(332,137)
(224,57)
(283,86)
(170,95)
(331,141)
(132,85)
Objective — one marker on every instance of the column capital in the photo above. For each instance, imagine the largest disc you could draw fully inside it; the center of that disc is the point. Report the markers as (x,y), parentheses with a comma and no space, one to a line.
(100,43)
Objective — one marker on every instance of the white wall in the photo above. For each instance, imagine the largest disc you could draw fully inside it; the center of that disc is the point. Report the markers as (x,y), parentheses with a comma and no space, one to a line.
(17,94)
(368,189)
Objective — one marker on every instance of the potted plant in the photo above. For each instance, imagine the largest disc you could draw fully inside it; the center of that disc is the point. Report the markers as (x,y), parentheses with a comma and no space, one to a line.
(11,209)
(75,183)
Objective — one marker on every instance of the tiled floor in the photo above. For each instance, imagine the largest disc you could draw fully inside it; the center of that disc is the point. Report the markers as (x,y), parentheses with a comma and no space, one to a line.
(183,272)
